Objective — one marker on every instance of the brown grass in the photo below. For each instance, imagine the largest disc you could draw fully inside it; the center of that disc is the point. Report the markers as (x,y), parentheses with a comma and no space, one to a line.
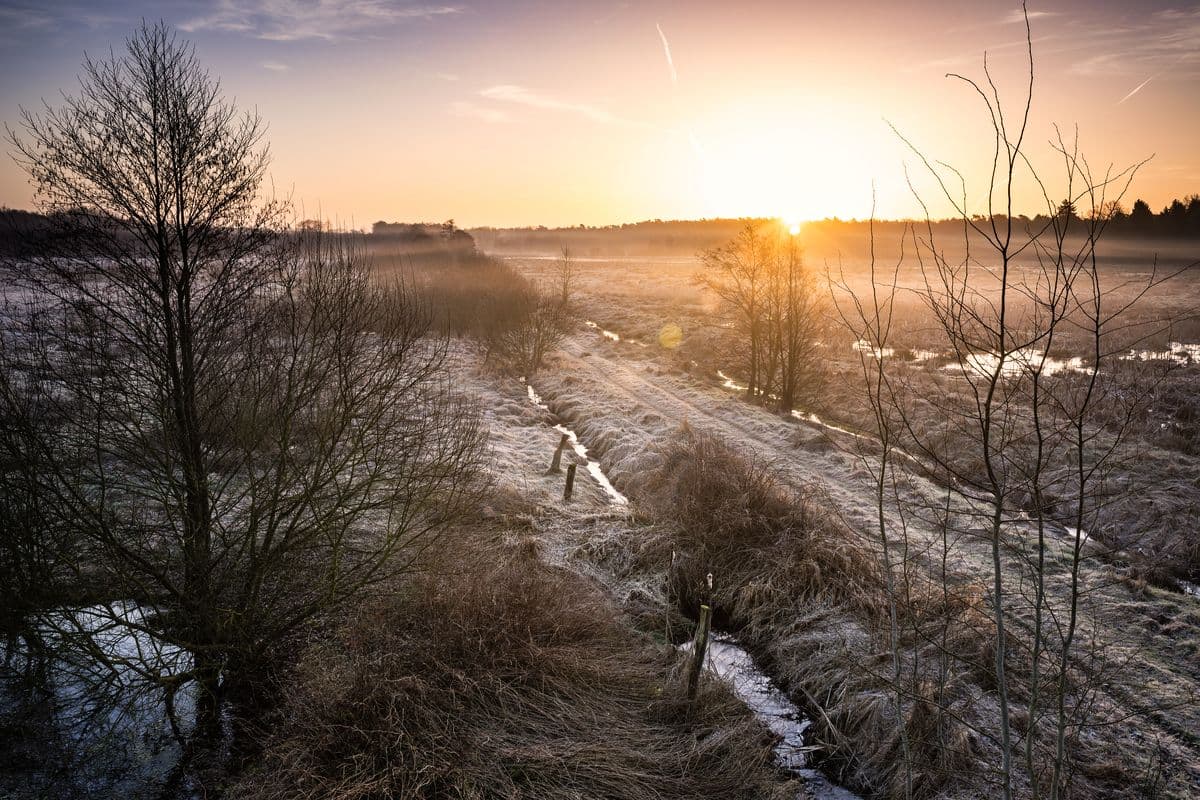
(807,595)
(509,678)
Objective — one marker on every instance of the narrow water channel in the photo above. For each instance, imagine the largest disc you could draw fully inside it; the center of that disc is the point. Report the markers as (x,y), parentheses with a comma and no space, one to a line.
(581,451)
(730,662)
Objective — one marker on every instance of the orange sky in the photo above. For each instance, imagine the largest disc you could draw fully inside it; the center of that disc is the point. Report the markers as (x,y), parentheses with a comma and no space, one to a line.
(563,113)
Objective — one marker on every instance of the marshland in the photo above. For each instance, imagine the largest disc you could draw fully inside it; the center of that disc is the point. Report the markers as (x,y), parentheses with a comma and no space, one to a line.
(873,473)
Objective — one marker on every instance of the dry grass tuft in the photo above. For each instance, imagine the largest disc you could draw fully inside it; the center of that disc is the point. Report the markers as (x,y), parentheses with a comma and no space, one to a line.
(734,519)
(807,595)
(508,679)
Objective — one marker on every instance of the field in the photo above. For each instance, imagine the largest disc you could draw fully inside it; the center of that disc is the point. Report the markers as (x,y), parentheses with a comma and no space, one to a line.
(628,386)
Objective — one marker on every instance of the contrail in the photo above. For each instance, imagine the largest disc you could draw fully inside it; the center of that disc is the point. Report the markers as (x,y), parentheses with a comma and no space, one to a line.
(1137,89)
(667,52)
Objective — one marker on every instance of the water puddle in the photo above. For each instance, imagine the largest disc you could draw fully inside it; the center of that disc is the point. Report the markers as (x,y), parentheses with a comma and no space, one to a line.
(593,466)
(729,661)
(610,335)
(1017,363)
(1179,353)
(863,346)
(581,451)
(800,414)
(616,337)
(84,709)
(1189,588)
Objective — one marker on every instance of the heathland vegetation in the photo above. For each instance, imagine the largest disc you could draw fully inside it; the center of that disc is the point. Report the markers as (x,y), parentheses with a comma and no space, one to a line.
(277,520)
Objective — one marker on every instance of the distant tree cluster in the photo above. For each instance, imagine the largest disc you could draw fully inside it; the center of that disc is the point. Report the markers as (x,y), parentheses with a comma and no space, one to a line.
(424,233)
(1181,218)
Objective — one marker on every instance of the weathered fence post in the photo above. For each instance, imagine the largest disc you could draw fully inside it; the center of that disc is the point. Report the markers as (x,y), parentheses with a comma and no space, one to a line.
(556,464)
(570,487)
(699,647)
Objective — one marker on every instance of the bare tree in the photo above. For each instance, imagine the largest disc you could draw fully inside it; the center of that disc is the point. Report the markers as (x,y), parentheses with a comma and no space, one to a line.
(1018,434)
(737,273)
(521,345)
(248,428)
(775,310)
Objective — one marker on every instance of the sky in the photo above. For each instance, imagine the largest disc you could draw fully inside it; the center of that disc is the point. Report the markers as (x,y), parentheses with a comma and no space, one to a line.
(586,112)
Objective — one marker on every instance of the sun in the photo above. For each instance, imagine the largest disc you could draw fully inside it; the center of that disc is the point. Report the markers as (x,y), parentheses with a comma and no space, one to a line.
(791,222)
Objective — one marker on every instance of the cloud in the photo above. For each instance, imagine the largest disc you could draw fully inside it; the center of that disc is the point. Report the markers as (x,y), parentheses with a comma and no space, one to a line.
(667,52)
(24,18)
(1163,43)
(970,57)
(446,76)
(521,95)
(1018,15)
(295,20)
(275,66)
(475,111)
(34,16)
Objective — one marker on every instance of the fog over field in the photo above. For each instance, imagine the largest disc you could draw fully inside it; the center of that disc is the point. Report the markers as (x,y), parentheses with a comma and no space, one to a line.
(692,419)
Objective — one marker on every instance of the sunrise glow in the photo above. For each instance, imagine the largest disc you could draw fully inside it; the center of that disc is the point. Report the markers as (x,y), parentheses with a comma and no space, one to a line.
(528,113)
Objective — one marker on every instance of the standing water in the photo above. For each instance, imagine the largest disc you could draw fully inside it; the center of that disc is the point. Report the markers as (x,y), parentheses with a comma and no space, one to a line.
(729,661)
(593,466)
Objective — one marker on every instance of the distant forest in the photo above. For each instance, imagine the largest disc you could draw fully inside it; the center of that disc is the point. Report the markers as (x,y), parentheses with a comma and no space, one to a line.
(1180,220)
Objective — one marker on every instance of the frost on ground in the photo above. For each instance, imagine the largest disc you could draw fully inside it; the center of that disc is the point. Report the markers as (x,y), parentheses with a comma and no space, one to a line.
(624,404)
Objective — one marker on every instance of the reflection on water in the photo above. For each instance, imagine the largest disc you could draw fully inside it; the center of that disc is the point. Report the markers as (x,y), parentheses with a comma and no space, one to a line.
(863,346)
(616,337)
(1176,353)
(610,335)
(593,466)
(727,659)
(82,709)
(1017,363)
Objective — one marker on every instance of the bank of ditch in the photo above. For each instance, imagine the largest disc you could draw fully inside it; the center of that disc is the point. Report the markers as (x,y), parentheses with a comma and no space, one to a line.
(805,593)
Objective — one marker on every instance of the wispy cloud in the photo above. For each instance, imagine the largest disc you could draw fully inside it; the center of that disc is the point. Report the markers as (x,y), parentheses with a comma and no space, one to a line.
(463,108)
(667,52)
(446,76)
(294,20)
(509,93)
(39,16)
(1018,15)
(275,66)
(968,57)
(1136,89)
(1163,43)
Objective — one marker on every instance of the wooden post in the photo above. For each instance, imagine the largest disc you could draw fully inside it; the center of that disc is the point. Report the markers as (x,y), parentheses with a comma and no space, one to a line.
(570,487)
(556,464)
(699,647)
